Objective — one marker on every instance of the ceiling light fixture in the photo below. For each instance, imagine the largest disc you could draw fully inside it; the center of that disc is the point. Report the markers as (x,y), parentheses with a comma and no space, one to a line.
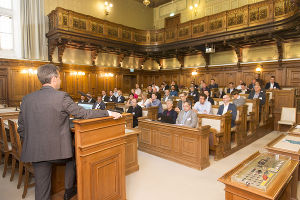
(146,2)
(107,7)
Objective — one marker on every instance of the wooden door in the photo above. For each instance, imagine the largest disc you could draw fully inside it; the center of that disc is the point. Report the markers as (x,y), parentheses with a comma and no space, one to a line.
(3,90)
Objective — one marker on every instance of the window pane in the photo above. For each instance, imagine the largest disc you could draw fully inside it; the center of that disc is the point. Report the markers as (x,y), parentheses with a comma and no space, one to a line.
(6,41)
(5,24)
(5,4)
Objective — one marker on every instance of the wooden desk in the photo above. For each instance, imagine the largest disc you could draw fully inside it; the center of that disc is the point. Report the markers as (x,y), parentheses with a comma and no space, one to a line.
(293,154)
(294,130)
(188,146)
(9,113)
(280,187)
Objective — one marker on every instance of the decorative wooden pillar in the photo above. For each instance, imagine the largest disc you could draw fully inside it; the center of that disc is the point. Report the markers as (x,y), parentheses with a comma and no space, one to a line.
(51,47)
(94,54)
(61,48)
(206,58)
(239,54)
(280,51)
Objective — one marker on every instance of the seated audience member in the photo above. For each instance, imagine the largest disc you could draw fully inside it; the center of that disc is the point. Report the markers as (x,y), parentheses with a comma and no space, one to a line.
(129,101)
(258,79)
(244,89)
(90,98)
(116,92)
(134,94)
(99,104)
(204,87)
(164,86)
(239,87)
(237,99)
(252,84)
(175,86)
(257,93)
(155,102)
(202,106)
(169,115)
(228,107)
(149,90)
(120,98)
(230,88)
(155,86)
(194,93)
(82,99)
(155,91)
(272,84)
(211,100)
(105,98)
(144,101)
(112,97)
(137,91)
(173,91)
(136,111)
(167,96)
(183,98)
(213,84)
(200,86)
(186,116)
(194,85)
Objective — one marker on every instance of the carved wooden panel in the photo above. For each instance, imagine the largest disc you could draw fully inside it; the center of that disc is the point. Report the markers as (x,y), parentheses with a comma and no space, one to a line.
(283,98)
(3,90)
(293,77)
(248,77)
(230,77)
(266,75)
(18,84)
(165,140)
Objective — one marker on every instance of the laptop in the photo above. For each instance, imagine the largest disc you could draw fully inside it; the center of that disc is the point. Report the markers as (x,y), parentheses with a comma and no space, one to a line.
(86,106)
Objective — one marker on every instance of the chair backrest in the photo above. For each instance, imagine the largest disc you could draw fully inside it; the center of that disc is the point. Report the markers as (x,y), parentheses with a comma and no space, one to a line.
(250,107)
(237,115)
(3,137)
(15,138)
(145,112)
(214,109)
(288,114)
(213,123)
(271,95)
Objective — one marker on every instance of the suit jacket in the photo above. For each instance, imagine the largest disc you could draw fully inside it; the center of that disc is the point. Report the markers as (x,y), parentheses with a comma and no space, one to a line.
(268,85)
(195,94)
(211,100)
(91,100)
(169,97)
(213,86)
(169,116)
(112,98)
(120,99)
(82,101)
(228,90)
(105,98)
(44,124)
(101,106)
(233,110)
(251,86)
(136,112)
(158,95)
(179,104)
(191,119)
(261,96)
(239,102)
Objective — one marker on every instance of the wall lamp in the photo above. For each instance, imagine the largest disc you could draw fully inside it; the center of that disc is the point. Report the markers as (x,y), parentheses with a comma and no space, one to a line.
(29,71)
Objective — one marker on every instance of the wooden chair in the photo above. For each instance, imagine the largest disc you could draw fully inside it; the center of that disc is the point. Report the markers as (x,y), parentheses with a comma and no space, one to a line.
(5,147)
(16,149)
(239,131)
(288,117)
(110,105)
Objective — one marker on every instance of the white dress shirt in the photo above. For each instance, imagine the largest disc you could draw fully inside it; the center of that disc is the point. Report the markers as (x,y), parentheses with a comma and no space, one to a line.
(203,108)
(225,109)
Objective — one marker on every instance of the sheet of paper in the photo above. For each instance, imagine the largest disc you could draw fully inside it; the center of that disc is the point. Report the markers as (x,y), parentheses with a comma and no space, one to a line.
(290,143)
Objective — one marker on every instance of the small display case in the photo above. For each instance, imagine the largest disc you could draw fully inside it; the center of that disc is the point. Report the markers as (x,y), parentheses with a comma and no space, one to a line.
(260,172)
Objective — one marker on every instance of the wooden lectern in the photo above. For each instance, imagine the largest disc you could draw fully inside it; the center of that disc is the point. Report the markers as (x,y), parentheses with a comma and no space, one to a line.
(100,158)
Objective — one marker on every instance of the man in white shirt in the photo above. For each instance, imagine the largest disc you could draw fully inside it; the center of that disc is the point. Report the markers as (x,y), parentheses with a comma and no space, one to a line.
(138,91)
(202,106)
(116,92)
(155,86)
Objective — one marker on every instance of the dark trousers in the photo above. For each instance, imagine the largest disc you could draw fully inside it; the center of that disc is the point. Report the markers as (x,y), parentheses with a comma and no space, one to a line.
(43,172)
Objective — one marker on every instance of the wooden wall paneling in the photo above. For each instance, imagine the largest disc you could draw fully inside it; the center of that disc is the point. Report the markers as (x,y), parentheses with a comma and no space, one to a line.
(70,85)
(248,77)
(17,85)
(230,77)
(83,83)
(266,75)
(100,85)
(3,90)
(219,78)
(293,77)
(92,82)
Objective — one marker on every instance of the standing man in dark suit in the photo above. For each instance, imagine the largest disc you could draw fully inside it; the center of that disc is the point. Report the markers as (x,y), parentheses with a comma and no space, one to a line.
(99,104)
(272,84)
(228,107)
(45,130)
(136,111)
(112,97)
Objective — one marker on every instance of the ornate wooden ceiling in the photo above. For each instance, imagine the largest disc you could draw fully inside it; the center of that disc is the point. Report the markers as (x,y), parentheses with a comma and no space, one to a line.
(256,24)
